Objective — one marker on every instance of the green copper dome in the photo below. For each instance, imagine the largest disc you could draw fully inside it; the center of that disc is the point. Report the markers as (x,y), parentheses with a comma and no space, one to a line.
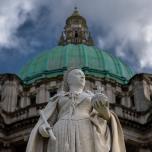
(94,62)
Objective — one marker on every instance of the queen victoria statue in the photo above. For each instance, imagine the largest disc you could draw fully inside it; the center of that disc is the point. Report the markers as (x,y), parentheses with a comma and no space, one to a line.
(75,120)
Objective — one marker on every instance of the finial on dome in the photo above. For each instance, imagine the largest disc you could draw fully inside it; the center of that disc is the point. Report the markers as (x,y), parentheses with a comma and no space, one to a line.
(76,8)
(76,11)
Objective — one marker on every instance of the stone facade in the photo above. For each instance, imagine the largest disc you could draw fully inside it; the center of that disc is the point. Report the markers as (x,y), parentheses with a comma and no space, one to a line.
(19,105)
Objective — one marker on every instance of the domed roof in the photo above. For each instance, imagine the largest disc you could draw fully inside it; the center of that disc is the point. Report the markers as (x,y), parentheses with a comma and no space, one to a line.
(93,61)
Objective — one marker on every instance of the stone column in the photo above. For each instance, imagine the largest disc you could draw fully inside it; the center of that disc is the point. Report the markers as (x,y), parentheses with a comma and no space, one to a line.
(26,101)
(126,101)
(139,96)
(110,93)
(9,96)
(88,85)
(41,96)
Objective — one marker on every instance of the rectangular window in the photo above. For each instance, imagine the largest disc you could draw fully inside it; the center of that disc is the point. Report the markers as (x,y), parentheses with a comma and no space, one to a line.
(52,92)
(18,105)
(132,100)
(33,99)
(118,99)
(150,97)
(19,147)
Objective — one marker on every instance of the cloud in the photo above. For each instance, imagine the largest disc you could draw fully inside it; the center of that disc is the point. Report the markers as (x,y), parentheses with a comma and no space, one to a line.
(12,15)
(122,27)
(127,30)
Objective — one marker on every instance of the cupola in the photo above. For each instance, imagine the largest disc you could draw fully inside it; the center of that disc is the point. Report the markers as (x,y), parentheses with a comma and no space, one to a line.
(76,30)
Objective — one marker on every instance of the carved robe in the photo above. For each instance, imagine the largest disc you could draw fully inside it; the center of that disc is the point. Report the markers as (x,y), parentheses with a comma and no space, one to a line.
(77,128)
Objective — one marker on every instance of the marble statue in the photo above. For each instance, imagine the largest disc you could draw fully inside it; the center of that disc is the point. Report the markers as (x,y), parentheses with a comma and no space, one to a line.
(75,120)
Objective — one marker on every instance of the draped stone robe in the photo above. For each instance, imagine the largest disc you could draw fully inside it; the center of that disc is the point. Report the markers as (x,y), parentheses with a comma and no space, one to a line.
(78,128)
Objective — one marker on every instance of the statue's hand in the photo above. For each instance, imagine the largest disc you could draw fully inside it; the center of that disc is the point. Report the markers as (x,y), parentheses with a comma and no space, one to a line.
(43,130)
(100,103)
(100,100)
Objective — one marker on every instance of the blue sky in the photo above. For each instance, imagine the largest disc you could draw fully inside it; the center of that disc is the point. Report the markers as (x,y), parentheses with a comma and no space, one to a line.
(123,27)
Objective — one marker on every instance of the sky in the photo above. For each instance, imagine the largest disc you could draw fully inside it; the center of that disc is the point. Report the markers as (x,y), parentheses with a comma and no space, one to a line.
(122,27)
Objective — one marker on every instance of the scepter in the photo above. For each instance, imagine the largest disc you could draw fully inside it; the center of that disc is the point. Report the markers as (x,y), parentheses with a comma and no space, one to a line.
(51,134)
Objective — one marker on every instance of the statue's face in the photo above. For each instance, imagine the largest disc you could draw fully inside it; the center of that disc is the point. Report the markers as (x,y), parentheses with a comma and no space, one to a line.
(76,78)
